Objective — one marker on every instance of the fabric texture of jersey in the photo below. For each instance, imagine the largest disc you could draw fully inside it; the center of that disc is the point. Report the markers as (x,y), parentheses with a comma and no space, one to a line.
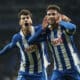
(31,55)
(62,46)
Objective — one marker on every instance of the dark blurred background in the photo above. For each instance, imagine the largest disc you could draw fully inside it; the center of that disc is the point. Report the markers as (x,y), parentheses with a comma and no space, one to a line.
(9,9)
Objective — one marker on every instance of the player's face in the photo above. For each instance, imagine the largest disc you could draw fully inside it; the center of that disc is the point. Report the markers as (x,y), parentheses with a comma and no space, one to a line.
(52,16)
(25,20)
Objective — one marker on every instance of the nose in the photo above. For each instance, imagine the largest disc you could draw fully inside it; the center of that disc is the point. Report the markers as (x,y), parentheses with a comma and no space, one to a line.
(51,17)
(26,19)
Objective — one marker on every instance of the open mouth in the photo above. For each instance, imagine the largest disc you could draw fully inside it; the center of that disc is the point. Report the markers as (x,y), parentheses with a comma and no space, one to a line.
(26,24)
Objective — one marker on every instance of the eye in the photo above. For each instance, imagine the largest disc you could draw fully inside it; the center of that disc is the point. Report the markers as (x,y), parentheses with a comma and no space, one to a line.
(23,18)
(49,14)
(53,14)
(27,17)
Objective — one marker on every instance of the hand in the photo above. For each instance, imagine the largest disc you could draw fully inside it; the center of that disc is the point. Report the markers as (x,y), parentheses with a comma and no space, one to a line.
(58,19)
(45,22)
(65,18)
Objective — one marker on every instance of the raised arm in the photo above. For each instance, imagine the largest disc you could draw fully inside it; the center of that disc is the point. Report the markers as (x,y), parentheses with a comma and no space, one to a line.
(68,26)
(39,36)
(9,46)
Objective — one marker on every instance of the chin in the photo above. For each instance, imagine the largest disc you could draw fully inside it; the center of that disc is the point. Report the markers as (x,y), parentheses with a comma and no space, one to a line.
(51,23)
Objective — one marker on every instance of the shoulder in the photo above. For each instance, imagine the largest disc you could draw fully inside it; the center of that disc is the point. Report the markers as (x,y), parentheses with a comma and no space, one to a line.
(38,27)
(16,37)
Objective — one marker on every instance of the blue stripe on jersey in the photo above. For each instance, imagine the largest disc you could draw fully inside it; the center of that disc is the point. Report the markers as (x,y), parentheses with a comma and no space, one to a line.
(74,47)
(27,62)
(26,57)
(35,62)
(68,50)
(73,44)
(46,51)
(55,35)
(56,61)
(61,57)
(41,55)
(59,51)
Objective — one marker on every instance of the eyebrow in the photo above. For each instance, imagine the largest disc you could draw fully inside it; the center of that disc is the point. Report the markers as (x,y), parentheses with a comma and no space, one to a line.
(51,13)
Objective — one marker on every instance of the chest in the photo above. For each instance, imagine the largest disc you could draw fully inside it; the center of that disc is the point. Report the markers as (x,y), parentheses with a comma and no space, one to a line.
(29,48)
(56,37)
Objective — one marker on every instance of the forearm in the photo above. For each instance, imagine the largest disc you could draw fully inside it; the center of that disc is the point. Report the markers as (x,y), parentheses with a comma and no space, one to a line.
(35,37)
(6,48)
(67,25)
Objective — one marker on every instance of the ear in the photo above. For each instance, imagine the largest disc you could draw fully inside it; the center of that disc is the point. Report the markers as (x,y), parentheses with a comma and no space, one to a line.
(19,22)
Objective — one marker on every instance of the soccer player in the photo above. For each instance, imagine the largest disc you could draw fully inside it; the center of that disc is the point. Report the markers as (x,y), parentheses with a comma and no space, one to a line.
(31,63)
(60,36)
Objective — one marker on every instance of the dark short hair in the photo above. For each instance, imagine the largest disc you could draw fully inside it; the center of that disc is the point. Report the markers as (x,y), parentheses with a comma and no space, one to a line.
(24,12)
(53,6)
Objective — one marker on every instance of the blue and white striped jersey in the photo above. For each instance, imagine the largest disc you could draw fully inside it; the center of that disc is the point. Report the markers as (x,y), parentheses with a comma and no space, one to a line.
(62,46)
(65,55)
(31,55)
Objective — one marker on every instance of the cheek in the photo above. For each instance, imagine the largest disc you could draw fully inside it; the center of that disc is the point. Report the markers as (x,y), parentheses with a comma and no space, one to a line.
(56,17)
(20,23)
(30,21)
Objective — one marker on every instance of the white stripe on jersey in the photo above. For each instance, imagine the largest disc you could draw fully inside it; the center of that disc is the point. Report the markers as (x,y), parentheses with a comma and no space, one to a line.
(67,62)
(58,59)
(23,63)
(64,53)
(31,67)
(57,54)
(23,37)
(29,54)
(50,47)
(46,63)
(63,50)
(74,55)
(39,61)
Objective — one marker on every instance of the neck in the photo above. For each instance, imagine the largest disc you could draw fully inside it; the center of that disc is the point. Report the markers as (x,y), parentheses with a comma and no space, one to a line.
(26,30)
(53,26)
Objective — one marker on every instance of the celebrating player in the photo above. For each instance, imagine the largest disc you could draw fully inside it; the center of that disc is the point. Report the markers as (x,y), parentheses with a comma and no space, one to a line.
(60,35)
(31,64)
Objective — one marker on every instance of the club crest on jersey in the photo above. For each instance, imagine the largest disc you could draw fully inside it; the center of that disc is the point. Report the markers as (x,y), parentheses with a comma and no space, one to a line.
(31,48)
(57,41)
